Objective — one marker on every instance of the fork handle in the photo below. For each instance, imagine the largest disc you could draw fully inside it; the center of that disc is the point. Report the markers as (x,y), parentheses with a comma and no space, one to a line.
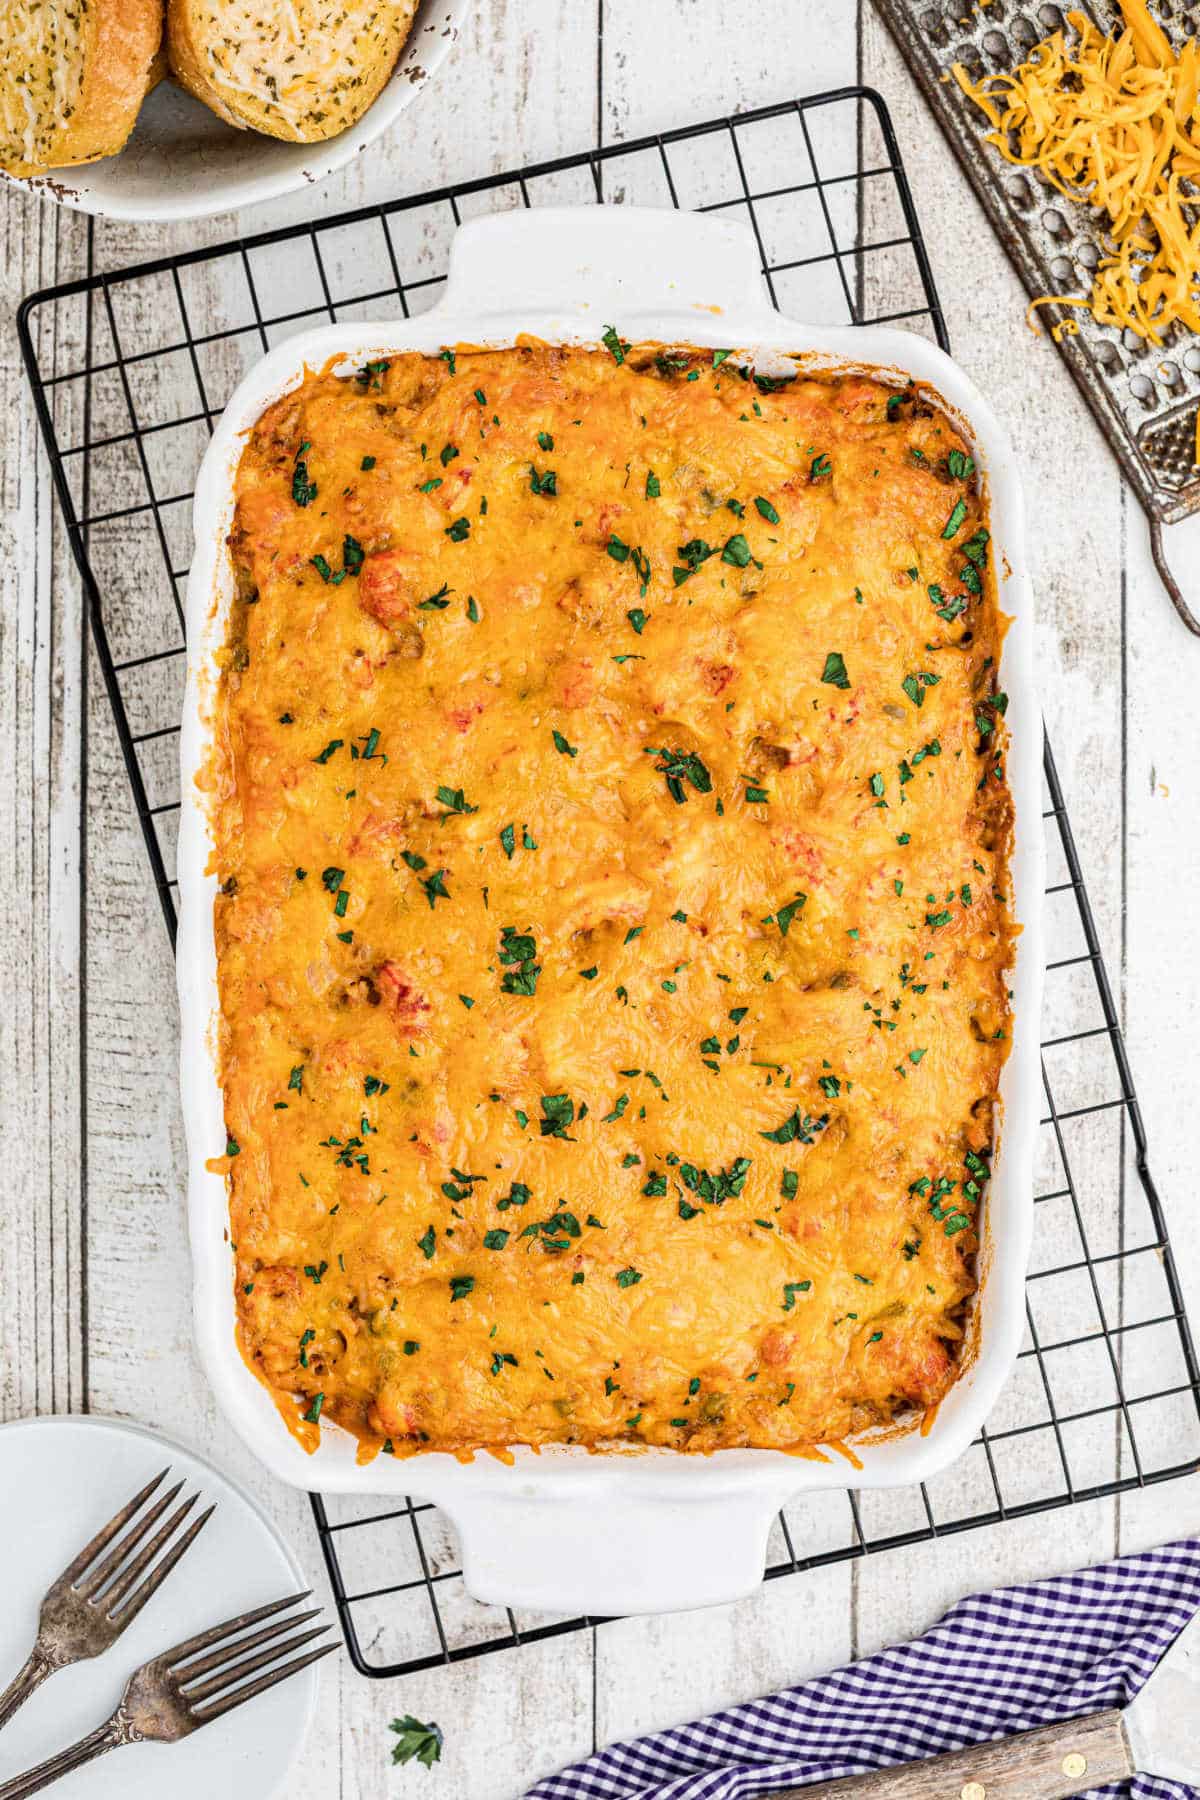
(25,1682)
(109,1736)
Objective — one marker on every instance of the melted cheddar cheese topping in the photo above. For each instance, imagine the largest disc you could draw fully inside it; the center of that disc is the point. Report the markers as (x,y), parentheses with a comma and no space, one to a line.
(612,832)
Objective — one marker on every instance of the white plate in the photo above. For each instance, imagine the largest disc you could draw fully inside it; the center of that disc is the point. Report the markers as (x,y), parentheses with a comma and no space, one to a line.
(182,162)
(60,1481)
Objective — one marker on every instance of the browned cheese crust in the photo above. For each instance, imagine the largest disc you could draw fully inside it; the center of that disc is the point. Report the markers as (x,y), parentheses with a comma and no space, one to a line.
(612,829)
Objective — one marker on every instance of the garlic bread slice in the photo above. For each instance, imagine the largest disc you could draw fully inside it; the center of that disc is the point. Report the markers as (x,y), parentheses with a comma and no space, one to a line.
(303,70)
(73,74)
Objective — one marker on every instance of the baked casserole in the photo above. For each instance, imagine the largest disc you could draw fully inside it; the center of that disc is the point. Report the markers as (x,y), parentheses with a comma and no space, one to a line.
(613,932)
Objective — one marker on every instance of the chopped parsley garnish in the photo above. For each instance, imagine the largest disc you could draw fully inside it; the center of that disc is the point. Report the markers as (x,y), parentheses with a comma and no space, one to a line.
(783,918)
(691,556)
(766,509)
(518,952)
(562,746)
(455,799)
(797,1128)
(628,1277)
(954,522)
(435,887)
(545,483)
(791,1289)
(304,491)
(461,1286)
(558,1111)
(834,673)
(613,344)
(679,766)
(914,685)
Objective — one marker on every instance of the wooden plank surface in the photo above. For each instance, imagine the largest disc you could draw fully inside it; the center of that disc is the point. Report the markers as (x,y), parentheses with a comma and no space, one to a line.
(93,1260)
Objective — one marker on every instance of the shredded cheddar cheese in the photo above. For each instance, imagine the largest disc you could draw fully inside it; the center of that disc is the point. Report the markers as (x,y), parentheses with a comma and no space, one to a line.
(1112,122)
(613,934)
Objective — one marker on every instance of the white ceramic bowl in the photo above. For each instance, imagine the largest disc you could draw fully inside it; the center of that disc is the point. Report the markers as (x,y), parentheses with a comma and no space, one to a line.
(182,162)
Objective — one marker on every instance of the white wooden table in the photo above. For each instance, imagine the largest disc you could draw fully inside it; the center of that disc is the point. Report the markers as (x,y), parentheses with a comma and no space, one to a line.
(93,1259)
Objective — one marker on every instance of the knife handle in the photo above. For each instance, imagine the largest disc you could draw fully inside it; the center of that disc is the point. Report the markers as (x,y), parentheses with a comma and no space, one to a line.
(1051,1763)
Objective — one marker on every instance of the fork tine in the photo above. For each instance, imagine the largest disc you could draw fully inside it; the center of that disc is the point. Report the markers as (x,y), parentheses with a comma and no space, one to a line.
(123,1610)
(104,1537)
(206,1664)
(247,1665)
(192,1646)
(216,1708)
(95,1579)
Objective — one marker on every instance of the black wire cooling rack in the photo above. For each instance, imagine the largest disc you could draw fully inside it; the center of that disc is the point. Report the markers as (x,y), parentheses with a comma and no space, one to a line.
(130,371)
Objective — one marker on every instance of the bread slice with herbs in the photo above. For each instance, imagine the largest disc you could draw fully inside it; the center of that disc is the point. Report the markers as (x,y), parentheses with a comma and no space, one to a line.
(73,74)
(303,70)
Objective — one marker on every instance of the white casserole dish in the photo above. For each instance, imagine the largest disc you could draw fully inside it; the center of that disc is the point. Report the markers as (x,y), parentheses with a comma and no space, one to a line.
(564,1530)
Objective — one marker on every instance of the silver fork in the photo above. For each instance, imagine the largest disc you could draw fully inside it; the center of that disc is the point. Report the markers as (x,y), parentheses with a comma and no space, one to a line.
(175,1694)
(93,1600)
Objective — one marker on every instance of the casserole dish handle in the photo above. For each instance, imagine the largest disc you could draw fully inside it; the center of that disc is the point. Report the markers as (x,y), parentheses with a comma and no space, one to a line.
(609,1552)
(605,264)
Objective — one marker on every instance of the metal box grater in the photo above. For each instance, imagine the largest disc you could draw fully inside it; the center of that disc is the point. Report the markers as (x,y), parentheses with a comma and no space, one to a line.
(1145,399)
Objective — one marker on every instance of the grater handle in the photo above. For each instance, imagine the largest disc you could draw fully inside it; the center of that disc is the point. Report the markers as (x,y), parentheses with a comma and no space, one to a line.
(1159,553)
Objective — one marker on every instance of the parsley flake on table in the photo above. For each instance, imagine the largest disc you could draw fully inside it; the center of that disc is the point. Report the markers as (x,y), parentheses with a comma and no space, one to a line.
(416,1741)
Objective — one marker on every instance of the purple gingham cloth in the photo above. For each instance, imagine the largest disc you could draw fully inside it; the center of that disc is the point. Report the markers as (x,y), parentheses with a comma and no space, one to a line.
(997,1663)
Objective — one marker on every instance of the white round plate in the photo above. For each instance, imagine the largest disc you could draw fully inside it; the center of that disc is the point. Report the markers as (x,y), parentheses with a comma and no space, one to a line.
(61,1479)
(182,162)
